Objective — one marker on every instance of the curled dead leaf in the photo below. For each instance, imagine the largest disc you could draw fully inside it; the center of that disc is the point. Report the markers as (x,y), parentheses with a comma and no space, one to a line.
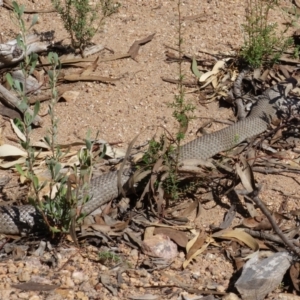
(220,65)
(238,234)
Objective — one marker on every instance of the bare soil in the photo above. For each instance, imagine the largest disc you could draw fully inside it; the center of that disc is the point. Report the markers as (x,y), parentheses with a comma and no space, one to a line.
(137,103)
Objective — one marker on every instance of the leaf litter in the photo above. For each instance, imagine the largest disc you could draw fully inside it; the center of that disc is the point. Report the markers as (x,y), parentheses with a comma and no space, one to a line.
(217,83)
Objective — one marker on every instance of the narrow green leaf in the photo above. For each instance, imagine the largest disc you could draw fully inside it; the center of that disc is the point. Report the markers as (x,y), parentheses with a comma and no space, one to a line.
(21,10)
(28,118)
(50,55)
(18,86)
(24,145)
(88,144)
(47,140)
(54,229)
(57,169)
(53,58)
(23,106)
(35,181)
(19,124)
(43,185)
(36,109)
(21,13)
(104,151)
(20,170)
(19,41)
(9,79)
(16,6)
(34,20)
(195,70)
(50,74)
(32,67)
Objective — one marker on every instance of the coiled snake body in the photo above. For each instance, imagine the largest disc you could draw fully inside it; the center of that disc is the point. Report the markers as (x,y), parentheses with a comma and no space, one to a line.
(20,219)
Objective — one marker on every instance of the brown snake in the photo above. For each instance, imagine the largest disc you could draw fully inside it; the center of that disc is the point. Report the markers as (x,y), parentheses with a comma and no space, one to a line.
(20,219)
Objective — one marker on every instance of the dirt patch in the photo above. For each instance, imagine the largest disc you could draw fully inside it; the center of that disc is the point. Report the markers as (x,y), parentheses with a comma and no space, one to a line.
(136,104)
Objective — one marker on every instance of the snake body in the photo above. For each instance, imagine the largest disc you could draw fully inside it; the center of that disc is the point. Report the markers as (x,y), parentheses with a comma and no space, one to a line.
(20,219)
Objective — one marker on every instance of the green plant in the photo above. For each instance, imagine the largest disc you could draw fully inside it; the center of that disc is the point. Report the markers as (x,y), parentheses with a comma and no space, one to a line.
(180,106)
(81,20)
(27,66)
(262,44)
(159,149)
(296,52)
(153,152)
(107,257)
(59,211)
(181,112)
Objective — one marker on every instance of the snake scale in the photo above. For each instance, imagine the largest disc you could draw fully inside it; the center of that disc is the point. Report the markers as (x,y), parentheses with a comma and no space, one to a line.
(19,219)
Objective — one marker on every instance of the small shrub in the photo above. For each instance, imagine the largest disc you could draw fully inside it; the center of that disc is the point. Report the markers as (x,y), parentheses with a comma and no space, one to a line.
(82,20)
(58,211)
(262,44)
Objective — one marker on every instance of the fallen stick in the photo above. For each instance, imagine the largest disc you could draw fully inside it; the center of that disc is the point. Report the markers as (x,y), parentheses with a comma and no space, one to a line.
(11,53)
(12,100)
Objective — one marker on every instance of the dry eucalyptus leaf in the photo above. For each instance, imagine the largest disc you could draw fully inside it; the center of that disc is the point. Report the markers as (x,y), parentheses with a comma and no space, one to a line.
(264,223)
(284,71)
(35,286)
(10,164)
(90,68)
(177,236)
(220,65)
(251,209)
(246,175)
(41,144)
(93,77)
(195,205)
(195,245)
(264,75)
(208,241)
(295,274)
(229,217)
(17,131)
(296,91)
(250,222)
(100,228)
(234,76)
(144,297)
(257,73)
(149,232)
(288,88)
(215,81)
(134,49)
(207,82)
(9,151)
(238,234)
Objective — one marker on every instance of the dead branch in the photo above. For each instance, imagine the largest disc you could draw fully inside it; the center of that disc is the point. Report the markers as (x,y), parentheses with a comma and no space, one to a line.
(12,100)
(11,53)
(276,228)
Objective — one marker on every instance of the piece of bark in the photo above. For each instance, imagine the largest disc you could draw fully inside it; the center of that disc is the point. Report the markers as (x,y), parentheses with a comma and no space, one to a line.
(9,112)
(11,53)
(12,100)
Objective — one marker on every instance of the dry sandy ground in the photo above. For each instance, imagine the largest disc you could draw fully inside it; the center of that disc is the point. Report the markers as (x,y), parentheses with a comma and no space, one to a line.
(137,101)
